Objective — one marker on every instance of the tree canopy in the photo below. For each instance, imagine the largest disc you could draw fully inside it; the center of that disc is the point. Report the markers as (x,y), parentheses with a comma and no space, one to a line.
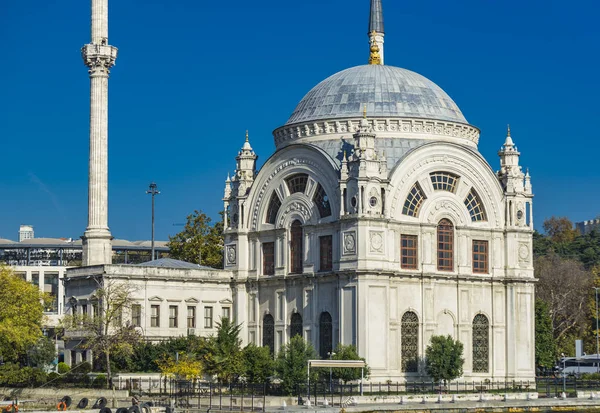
(21,315)
(292,367)
(199,242)
(347,374)
(444,358)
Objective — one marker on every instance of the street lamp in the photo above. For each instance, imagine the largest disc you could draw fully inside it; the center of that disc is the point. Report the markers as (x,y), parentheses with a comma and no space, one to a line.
(152,189)
(330,354)
(564,374)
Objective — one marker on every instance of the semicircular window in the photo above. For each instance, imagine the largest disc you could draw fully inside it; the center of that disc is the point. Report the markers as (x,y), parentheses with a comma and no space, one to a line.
(297,183)
(475,206)
(444,181)
(322,200)
(274,205)
(414,200)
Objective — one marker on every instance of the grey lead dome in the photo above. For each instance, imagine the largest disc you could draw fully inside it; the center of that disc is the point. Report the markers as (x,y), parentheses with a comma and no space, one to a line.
(387,91)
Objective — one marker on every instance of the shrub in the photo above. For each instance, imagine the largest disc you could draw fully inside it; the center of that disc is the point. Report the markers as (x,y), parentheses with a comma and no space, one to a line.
(63,368)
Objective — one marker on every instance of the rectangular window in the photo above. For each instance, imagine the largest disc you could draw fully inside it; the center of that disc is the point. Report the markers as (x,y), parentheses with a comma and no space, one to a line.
(208,317)
(155,316)
(408,252)
(326,253)
(84,310)
(191,317)
(95,310)
(268,258)
(480,257)
(136,315)
(226,313)
(173,316)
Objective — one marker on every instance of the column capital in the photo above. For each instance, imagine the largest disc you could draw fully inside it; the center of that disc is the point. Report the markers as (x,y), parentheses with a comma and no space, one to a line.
(99,58)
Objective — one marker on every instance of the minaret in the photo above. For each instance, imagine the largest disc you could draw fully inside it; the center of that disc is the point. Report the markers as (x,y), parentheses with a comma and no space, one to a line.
(99,57)
(376,31)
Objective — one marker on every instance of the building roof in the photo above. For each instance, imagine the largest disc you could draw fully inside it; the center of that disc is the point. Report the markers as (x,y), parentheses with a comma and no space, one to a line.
(386,91)
(173,263)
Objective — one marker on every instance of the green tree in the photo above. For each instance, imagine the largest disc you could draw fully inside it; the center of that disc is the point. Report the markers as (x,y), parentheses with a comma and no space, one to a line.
(198,242)
(42,353)
(560,229)
(104,332)
(224,356)
(444,358)
(21,315)
(292,363)
(258,363)
(346,374)
(545,346)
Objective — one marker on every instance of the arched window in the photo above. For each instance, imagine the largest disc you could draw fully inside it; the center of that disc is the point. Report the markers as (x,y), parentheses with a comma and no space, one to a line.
(475,206)
(444,181)
(296,325)
(297,183)
(445,246)
(296,248)
(325,335)
(413,201)
(269,333)
(409,331)
(481,344)
(322,201)
(274,205)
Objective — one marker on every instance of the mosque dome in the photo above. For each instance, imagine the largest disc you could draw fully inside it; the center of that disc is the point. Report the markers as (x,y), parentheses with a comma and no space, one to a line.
(387,91)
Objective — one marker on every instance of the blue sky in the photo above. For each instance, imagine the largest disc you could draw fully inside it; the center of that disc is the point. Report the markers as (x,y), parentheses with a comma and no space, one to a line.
(192,76)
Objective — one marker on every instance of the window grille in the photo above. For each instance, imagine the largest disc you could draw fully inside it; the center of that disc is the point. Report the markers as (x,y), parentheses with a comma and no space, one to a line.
(297,183)
(480,257)
(475,206)
(322,200)
(408,251)
(444,181)
(409,331)
(296,247)
(325,335)
(269,333)
(414,200)
(273,209)
(481,344)
(445,245)
(296,325)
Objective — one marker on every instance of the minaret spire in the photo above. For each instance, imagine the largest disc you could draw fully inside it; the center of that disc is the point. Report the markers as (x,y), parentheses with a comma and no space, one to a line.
(99,57)
(376,29)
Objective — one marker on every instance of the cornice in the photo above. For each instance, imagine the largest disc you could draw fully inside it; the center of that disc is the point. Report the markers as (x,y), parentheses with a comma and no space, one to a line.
(289,133)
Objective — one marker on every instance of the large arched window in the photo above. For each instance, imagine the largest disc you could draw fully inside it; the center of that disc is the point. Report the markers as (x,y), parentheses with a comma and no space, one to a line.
(445,246)
(296,248)
(409,331)
(325,335)
(269,333)
(322,200)
(296,325)
(274,205)
(481,344)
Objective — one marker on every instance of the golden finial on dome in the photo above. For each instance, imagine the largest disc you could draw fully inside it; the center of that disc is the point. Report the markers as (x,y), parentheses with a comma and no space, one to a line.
(365,112)
(508,131)
(246,135)
(375,58)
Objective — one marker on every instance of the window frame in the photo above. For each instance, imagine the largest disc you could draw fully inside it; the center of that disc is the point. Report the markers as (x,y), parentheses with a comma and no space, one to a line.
(404,249)
(155,316)
(136,315)
(173,316)
(296,248)
(268,250)
(208,316)
(414,201)
(481,257)
(297,182)
(326,253)
(191,320)
(445,245)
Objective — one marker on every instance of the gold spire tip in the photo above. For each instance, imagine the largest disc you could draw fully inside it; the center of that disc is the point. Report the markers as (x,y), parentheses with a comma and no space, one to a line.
(246,135)
(375,57)
(365,111)
(508,130)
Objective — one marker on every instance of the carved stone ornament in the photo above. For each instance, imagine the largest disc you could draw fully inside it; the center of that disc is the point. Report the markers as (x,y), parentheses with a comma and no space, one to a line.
(523,252)
(297,207)
(99,58)
(349,243)
(376,241)
(231,254)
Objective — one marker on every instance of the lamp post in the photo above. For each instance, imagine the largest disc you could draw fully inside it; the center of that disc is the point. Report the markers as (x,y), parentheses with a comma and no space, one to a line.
(152,190)
(597,340)
(563,372)
(330,354)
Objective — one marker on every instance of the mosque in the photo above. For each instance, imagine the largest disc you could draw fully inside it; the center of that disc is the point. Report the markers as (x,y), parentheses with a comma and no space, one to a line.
(375,223)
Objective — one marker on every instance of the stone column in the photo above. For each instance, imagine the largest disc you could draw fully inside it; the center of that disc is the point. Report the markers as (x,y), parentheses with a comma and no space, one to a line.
(99,57)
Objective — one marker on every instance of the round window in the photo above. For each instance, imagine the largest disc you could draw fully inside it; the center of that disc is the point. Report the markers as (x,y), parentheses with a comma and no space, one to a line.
(373,201)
